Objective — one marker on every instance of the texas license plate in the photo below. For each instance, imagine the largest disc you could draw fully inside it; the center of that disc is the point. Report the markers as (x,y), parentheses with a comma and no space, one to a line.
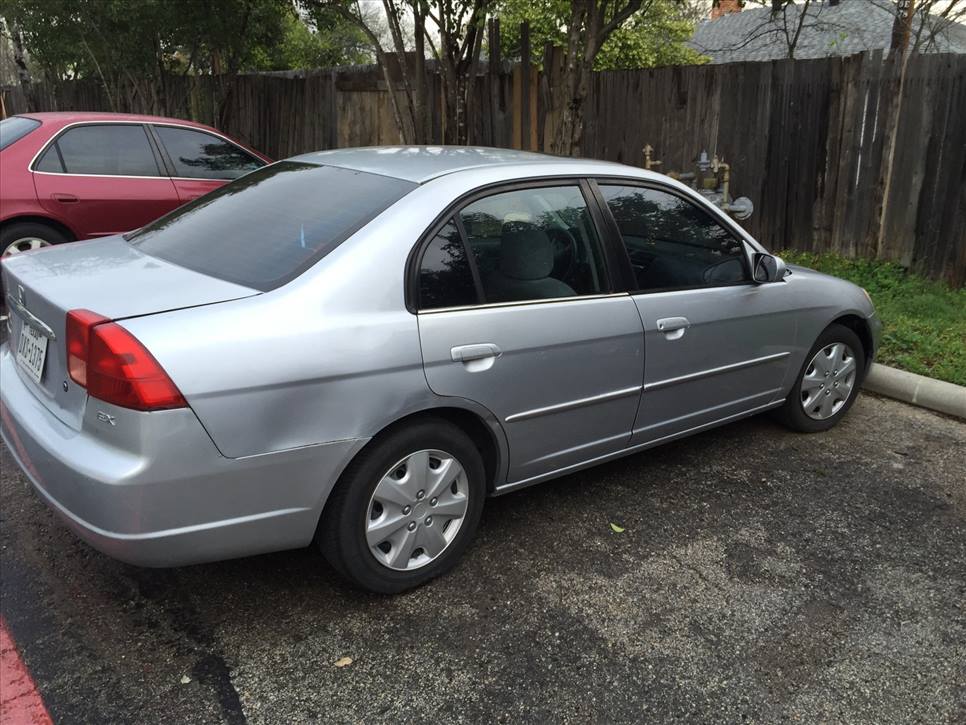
(32,351)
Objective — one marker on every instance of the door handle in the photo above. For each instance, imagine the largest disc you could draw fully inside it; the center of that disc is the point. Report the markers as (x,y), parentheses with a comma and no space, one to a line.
(65,198)
(673,327)
(479,351)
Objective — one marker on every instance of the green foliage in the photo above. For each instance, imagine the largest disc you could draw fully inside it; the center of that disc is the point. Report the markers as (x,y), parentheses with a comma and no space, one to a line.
(654,36)
(111,39)
(924,322)
(335,42)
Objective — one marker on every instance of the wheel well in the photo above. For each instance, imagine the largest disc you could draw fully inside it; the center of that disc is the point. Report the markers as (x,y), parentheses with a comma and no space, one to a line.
(471,424)
(861,328)
(40,220)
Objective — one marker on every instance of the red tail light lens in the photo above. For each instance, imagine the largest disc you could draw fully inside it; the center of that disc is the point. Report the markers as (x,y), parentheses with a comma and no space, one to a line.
(115,367)
(79,324)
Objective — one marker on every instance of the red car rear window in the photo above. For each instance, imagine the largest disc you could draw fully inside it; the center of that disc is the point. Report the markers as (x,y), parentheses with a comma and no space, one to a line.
(15,128)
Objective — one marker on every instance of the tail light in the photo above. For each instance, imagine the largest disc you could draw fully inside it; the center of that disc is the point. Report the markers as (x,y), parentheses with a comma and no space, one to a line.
(114,366)
(79,324)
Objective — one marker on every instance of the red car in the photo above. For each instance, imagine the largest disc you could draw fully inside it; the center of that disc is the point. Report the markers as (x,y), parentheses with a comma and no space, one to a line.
(67,176)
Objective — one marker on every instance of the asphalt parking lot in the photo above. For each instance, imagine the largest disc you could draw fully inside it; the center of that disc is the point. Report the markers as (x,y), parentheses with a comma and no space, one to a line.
(761,575)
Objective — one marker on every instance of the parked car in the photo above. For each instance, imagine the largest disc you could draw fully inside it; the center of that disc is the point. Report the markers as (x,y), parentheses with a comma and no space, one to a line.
(358,347)
(69,176)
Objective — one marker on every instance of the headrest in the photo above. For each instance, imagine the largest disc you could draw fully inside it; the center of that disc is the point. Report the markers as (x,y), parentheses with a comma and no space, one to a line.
(526,252)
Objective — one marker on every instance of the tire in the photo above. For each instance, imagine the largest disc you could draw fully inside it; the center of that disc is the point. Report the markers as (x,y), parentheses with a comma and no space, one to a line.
(391,465)
(803,409)
(23,236)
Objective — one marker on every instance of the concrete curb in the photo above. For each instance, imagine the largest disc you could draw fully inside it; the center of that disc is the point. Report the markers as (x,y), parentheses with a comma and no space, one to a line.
(937,395)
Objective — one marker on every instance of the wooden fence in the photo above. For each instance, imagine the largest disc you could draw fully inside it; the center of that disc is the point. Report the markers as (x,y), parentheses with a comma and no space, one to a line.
(806,140)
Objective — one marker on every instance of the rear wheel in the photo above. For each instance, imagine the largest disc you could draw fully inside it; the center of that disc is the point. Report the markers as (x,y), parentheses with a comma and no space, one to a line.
(26,236)
(828,382)
(406,509)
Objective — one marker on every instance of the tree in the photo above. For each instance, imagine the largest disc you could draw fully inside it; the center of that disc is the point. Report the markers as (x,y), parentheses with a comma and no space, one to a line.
(656,37)
(327,42)
(408,101)
(132,52)
(918,25)
(453,32)
(915,28)
(587,26)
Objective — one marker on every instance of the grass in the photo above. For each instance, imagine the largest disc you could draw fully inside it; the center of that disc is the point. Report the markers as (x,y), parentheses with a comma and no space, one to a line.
(924,322)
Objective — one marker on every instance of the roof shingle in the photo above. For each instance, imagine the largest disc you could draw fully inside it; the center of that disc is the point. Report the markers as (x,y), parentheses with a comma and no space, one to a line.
(853,26)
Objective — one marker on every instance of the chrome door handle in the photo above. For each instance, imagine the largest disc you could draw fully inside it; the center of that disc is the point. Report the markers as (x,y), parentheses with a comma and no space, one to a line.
(479,351)
(673,327)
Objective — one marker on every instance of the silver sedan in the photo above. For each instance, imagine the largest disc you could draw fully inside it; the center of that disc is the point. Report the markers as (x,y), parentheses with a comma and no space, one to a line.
(357,347)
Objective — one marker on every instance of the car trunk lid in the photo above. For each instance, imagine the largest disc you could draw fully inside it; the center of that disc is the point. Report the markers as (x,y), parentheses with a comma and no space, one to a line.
(109,277)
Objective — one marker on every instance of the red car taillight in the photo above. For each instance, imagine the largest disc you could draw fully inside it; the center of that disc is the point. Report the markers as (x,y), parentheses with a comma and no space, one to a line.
(114,366)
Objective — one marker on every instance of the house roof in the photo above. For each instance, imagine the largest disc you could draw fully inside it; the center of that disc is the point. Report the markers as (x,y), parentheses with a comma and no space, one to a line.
(853,26)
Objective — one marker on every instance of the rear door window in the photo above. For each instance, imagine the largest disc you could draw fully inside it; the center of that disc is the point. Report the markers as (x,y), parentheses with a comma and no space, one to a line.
(50,161)
(536,243)
(103,150)
(200,155)
(269,226)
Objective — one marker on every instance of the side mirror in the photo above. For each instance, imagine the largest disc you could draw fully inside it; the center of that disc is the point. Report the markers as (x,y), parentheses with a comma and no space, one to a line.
(768,268)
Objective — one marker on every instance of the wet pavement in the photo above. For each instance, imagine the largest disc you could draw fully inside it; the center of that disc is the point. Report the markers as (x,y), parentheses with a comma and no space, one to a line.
(761,575)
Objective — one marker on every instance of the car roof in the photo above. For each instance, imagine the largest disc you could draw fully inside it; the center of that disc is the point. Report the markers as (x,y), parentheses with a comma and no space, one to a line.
(67,117)
(420,164)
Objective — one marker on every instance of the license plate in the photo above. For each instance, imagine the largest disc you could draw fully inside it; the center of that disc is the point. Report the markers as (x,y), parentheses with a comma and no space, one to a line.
(32,351)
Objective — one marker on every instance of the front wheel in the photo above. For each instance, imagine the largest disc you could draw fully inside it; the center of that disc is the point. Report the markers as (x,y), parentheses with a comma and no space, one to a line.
(828,382)
(406,509)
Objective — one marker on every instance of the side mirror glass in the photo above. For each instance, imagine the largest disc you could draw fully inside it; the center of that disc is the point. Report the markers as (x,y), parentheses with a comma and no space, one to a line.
(768,268)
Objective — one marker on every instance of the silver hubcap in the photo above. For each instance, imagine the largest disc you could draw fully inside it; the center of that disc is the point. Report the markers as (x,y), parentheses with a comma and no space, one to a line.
(417,510)
(26,244)
(828,382)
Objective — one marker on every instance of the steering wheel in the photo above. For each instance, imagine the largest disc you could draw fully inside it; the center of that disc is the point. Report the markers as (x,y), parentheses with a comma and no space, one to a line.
(564,253)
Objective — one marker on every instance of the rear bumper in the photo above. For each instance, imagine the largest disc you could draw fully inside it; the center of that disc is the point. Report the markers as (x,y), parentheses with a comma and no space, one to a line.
(153,490)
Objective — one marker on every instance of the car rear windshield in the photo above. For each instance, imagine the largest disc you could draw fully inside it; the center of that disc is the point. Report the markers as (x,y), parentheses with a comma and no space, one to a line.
(269,226)
(15,128)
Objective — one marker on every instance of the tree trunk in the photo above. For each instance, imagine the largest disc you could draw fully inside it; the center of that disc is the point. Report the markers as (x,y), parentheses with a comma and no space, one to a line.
(20,60)
(902,26)
(421,130)
(565,92)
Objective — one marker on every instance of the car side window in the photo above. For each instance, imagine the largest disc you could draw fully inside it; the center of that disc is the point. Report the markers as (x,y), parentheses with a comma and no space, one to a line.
(536,243)
(672,243)
(50,161)
(445,277)
(201,155)
(102,150)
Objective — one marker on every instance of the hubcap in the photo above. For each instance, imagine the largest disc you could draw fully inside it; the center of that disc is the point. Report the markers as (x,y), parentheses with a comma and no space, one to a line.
(828,381)
(416,510)
(24,244)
